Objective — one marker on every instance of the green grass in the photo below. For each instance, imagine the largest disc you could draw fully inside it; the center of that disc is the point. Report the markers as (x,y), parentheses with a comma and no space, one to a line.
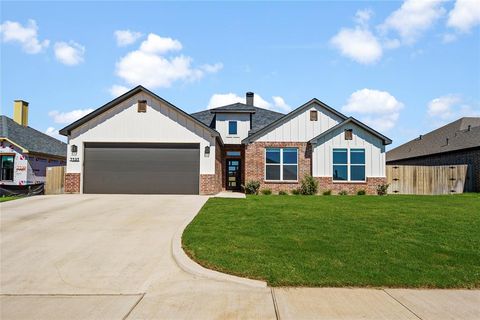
(392,241)
(8,198)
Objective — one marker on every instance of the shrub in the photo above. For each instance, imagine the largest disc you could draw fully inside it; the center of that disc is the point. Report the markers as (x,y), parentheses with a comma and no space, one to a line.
(295,192)
(252,187)
(343,193)
(327,192)
(361,192)
(309,185)
(282,193)
(266,192)
(382,189)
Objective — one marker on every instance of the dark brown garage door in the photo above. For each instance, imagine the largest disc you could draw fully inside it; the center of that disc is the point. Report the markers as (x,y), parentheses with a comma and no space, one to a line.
(146,168)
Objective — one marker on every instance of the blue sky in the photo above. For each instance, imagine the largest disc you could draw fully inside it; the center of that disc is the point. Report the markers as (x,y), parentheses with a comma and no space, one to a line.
(402,67)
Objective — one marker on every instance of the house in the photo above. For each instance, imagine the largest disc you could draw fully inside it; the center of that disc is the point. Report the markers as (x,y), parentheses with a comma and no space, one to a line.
(453,144)
(25,153)
(141,143)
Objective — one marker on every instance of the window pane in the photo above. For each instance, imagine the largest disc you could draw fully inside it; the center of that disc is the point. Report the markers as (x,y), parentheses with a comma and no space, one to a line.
(233,153)
(339,156)
(272,172)
(290,172)
(232,127)
(340,172)
(290,156)
(357,156)
(273,156)
(357,173)
(7,161)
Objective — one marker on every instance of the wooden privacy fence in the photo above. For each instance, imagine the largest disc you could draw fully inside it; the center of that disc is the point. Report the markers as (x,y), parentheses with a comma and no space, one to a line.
(426,179)
(54,181)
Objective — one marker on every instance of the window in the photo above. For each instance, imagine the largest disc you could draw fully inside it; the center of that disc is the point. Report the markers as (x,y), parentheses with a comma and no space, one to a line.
(348,134)
(348,166)
(313,115)
(281,164)
(232,127)
(142,106)
(6,167)
(233,153)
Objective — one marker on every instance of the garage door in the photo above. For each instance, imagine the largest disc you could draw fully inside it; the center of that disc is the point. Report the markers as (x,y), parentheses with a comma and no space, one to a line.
(148,168)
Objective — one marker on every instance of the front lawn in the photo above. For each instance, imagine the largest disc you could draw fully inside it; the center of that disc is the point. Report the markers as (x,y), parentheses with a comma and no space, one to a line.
(391,241)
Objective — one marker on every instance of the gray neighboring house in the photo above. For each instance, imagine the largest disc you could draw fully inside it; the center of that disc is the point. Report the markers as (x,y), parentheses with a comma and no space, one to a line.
(453,144)
(25,153)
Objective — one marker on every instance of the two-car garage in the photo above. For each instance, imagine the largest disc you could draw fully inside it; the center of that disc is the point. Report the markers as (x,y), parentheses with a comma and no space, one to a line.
(141,168)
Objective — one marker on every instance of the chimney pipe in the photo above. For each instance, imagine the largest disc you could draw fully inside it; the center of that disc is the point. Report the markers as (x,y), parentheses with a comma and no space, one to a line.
(249,98)
(20,112)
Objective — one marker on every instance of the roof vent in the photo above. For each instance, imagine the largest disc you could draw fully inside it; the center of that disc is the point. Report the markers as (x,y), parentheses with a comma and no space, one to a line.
(249,98)
(469,127)
(447,142)
(420,137)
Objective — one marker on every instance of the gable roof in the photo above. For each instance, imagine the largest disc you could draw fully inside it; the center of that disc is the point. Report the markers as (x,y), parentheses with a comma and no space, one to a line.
(255,134)
(463,133)
(260,117)
(68,129)
(358,123)
(30,139)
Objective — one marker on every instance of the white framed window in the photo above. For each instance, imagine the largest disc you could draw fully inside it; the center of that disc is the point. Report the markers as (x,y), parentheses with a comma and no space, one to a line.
(348,164)
(281,164)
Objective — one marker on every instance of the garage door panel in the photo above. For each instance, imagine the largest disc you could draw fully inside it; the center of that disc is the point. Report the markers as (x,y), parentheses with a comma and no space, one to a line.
(143,169)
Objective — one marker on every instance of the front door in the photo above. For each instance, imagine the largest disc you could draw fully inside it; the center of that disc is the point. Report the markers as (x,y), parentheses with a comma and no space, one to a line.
(233,174)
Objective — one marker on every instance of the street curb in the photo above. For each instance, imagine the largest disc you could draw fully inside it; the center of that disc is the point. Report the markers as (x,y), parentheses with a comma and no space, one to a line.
(190,266)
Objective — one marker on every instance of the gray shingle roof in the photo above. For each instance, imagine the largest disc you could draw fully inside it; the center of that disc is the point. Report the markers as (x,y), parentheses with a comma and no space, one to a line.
(31,139)
(260,118)
(458,134)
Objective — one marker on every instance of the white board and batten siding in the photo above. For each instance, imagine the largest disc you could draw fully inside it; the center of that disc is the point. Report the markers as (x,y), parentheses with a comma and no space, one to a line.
(123,123)
(300,128)
(322,164)
(243,126)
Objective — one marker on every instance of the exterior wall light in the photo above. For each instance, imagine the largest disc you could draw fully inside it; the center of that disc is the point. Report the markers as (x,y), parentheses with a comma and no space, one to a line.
(74,149)
(207,151)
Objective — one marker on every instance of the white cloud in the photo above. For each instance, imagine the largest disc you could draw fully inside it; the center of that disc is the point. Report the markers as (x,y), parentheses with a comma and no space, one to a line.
(150,67)
(117,90)
(362,17)
(376,108)
(413,18)
(449,37)
(450,107)
(27,36)
(69,53)
(52,132)
(68,117)
(465,15)
(358,44)
(126,37)
(223,99)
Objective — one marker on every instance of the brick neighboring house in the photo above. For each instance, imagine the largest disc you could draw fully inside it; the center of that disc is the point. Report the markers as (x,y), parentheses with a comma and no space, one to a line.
(141,143)
(453,144)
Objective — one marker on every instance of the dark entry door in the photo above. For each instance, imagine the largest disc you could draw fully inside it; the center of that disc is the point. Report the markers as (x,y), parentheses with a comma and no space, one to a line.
(234,178)
(141,168)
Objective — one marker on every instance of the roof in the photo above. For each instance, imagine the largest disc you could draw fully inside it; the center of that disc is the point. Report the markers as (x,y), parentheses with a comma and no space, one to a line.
(256,133)
(459,134)
(31,139)
(260,117)
(67,130)
(358,123)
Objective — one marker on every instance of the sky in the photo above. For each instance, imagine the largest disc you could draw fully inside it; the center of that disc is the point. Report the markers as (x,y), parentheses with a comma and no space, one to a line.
(404,68)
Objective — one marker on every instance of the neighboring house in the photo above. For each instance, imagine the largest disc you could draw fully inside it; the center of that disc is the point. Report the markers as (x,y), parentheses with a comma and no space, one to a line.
(453,144)
(141,143)
(25,153)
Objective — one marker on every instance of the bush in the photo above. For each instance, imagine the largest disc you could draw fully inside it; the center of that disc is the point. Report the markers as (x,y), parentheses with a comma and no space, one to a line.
(361,192)
(309,186)
(266,192)
(295,192)
(382,189)
(252,187)
(343,193)
(282,193)
(327,192)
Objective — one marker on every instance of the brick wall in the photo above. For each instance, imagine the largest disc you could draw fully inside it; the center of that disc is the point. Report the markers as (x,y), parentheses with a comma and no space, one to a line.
(72,183)
(255,163)
(370,186)
(212,183)
(470,157)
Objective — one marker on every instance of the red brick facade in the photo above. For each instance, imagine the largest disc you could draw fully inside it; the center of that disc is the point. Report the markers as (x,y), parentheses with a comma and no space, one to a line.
(370,186)
(212,183)
(72,183)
